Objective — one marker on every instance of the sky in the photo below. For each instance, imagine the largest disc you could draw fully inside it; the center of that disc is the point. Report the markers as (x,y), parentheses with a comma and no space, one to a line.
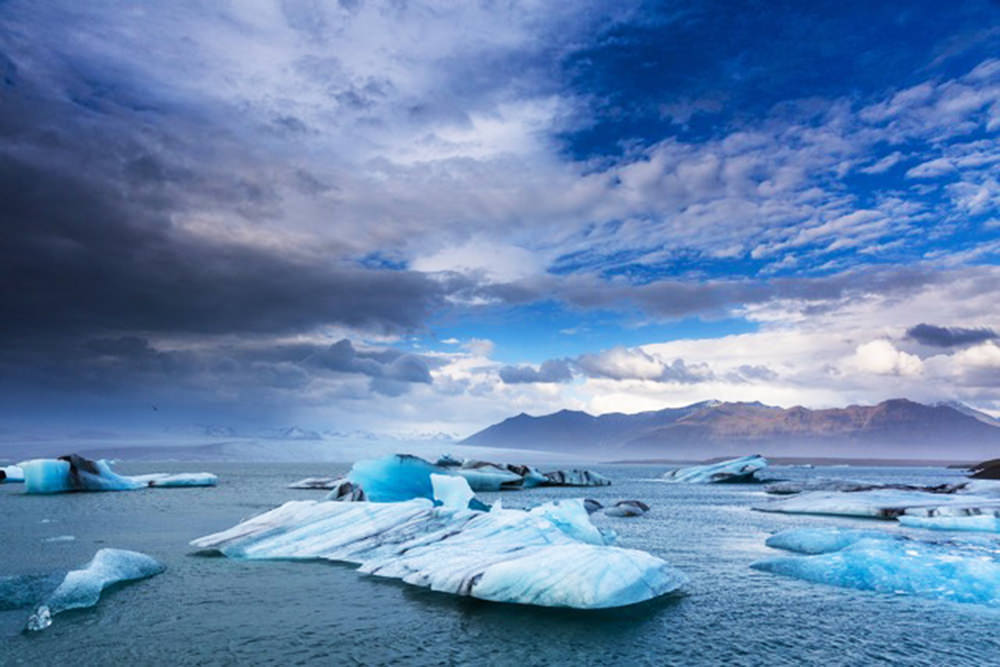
(420,217)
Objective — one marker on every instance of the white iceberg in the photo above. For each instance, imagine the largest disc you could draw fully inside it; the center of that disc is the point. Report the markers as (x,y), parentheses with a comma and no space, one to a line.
(59,592)
(451,492)
(501,555)
(733,471)
(624,508)
(11,474)
(76,473)
(882,504)
(891,564)
(980,523)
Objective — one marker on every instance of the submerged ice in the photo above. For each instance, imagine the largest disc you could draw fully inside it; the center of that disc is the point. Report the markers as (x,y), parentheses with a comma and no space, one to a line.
(76,473)
(741,470)
(887,563)
(550,556)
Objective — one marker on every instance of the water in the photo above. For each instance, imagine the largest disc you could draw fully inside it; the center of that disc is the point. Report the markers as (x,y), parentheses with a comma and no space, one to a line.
(219,611)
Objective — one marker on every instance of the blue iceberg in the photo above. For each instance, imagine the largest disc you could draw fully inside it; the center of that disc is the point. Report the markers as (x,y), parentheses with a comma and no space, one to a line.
(60,591)
(733,471)
(76,473)
(546,557)
(890,564)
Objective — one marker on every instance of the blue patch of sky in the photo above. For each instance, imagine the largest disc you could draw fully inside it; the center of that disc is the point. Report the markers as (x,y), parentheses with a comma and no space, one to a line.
(535,332)
(729,61)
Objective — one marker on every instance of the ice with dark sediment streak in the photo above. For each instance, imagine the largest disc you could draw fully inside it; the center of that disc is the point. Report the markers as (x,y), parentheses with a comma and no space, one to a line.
(626,508)
(733,471)
(57,592)
(575,477)
(959,572)
(550,556)
(883,504)
(76,473)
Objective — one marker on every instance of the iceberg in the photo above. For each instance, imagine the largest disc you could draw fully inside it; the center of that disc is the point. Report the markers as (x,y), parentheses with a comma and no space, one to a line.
(61,591)
(452,492)
(733,471)
(10,474)
(848,486)
(526,557)
(575,478)
(891,564)
(76,473)
(980,523)
(483,476)
(624,508)
(820,540)
(881,504)
(325,483)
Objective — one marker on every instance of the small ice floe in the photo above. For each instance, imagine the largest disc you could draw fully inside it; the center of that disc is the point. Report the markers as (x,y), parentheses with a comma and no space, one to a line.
(57,592)
(11,474)
(887,563)
(550,556)
(60,538)
(76,473)
(625,508)
(733,471)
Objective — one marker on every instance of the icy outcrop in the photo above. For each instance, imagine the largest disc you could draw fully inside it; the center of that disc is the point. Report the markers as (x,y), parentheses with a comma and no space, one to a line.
(484,476)
(733,471)
(592,505)
(451,492)
(346,491)
(501,555)
(163,479)
(575,478)
(76,473)
(324,483)
(891,564)
(571,517)
(882,504)
(11,474)
(60,591)
(625,508)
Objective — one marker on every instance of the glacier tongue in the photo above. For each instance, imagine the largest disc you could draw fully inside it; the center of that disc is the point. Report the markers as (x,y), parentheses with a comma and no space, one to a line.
(501,555)
(959,572)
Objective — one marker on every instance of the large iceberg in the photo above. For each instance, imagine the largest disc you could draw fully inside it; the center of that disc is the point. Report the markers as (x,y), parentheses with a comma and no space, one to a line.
(550,556)
(733,471)
(60,591)
(10,474)
(890,564)
(882,504)
(76,473)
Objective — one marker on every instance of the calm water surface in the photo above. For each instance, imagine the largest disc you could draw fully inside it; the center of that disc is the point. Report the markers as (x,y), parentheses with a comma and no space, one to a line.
(219,611)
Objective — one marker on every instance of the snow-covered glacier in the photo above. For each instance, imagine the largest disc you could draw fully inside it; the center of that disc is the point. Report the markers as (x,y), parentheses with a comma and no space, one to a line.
(550,556)
(53,593)
(887,563)
(733,471)
(76,473)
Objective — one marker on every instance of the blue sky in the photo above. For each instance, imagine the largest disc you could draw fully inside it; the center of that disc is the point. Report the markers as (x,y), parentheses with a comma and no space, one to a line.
(425,217)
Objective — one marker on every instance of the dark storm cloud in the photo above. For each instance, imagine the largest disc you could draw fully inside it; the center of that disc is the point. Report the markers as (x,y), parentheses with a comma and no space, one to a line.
(935,336)
(389,365)
(553,370)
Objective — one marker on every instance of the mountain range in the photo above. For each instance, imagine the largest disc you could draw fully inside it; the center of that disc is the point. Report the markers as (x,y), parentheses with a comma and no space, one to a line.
(894,429)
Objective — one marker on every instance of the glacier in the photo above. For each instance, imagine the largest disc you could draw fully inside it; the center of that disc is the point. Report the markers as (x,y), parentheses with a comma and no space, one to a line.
(11,474)
(76,473)
(732,471)
(57,592)
(882,504)
(887,563)
(550,556)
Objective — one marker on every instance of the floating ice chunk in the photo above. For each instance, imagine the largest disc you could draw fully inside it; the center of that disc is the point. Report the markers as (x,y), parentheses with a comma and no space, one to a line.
(575,478)
(346,491)
(501,555)
(11,474)
(163,479)
(453,492)
(326,483)
(849,486)
(483,476)
(73,473)
(395,478)
(890,564)
(592,505)
(880,504)
(981,523)
(627,508)
(733,471)
(571,517)
(82,588)
(821,540)
(60,538)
